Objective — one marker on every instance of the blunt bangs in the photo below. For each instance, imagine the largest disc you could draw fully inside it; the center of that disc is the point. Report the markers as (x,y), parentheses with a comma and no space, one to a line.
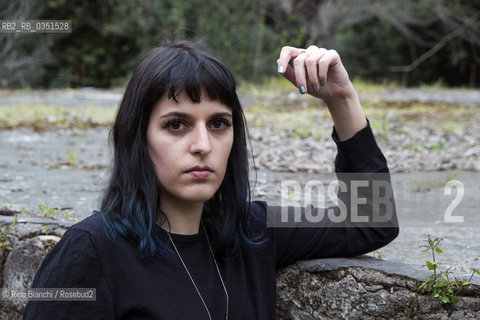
(131,203)
(191,71)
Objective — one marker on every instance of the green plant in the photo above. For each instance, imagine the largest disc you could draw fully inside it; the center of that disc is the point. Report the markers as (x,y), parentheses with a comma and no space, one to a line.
(46,211)
(414,146)
(69,216)
(441,285)
(378,254)
(418,184)
(25,211)
(474,272)
(72,158)
(437,146)
(4,234)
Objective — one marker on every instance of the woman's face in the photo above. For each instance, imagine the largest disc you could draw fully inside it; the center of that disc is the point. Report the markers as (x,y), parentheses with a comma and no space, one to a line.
(189,144)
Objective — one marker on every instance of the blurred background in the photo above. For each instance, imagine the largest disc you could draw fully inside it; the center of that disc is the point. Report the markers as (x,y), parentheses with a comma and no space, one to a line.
(405,42)
(415,65)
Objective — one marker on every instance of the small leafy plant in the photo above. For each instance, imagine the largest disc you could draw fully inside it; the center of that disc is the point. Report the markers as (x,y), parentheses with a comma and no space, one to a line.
(72,158)
(46,211)
(4,244)
(441,285)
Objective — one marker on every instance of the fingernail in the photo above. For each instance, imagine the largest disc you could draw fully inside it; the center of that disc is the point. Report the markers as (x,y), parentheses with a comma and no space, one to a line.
(315,88)
(322,83)
(302,89)
(280,69)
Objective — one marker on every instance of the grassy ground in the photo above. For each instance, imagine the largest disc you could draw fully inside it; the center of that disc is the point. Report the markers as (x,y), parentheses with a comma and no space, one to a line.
(274,104)
(41,117)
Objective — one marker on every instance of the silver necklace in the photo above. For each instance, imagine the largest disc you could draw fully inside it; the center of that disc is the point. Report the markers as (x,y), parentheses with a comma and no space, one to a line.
(191,278)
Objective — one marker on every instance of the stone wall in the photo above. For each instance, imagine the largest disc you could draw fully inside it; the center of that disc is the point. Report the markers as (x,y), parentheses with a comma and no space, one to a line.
(365,288)
(354,288)
(22,249)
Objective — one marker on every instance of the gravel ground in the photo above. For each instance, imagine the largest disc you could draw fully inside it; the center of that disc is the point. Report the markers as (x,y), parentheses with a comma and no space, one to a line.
(66,169)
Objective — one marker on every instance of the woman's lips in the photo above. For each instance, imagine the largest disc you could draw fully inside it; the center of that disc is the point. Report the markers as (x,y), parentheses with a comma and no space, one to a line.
(199,172)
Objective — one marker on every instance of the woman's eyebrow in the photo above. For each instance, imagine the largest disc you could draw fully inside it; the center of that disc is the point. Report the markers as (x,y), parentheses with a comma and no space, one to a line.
(175,114)
(187,116)
(221,114)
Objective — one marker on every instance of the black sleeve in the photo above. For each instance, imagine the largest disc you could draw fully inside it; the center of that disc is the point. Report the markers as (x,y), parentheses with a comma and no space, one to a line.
(357,155)
(72,263)
(360,153)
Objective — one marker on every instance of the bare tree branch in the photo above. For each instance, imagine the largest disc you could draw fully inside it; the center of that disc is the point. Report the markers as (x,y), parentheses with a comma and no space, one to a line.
(434,49)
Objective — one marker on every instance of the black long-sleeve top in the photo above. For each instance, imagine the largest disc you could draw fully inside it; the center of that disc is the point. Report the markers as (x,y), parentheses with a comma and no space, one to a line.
(130,288)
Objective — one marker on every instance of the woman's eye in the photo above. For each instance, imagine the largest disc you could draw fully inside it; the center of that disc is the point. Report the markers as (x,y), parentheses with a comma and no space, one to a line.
(175,125)
(220,124)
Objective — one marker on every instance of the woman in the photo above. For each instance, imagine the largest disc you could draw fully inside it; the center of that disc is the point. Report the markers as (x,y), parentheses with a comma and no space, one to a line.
(177,236)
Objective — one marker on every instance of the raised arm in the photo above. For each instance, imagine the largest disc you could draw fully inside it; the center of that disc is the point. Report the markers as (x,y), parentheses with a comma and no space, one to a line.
(367,219)
(320,72)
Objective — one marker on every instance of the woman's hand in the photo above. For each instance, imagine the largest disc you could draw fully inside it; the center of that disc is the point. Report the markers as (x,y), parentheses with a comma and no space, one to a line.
(320,72)
(317,71)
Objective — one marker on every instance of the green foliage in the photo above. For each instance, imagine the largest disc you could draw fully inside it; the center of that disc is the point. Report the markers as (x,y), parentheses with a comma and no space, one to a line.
(247,35)
(46,211)
(4,243)
(360,48)
(109,37)
(441,285)
(42,117)
(401,32)
(72,158)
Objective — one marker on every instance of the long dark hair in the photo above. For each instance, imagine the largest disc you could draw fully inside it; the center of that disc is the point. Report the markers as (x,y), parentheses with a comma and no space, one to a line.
(131,205)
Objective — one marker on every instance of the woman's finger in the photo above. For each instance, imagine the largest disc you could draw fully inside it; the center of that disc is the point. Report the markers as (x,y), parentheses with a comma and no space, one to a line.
(300,74)
(327,61)
(310,66)
(314,54)
(287,54)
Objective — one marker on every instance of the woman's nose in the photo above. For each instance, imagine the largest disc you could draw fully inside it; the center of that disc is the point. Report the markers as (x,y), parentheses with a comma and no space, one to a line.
(200,141)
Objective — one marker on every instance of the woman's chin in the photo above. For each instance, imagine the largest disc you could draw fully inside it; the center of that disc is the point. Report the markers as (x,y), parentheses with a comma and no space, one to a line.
(197,194)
